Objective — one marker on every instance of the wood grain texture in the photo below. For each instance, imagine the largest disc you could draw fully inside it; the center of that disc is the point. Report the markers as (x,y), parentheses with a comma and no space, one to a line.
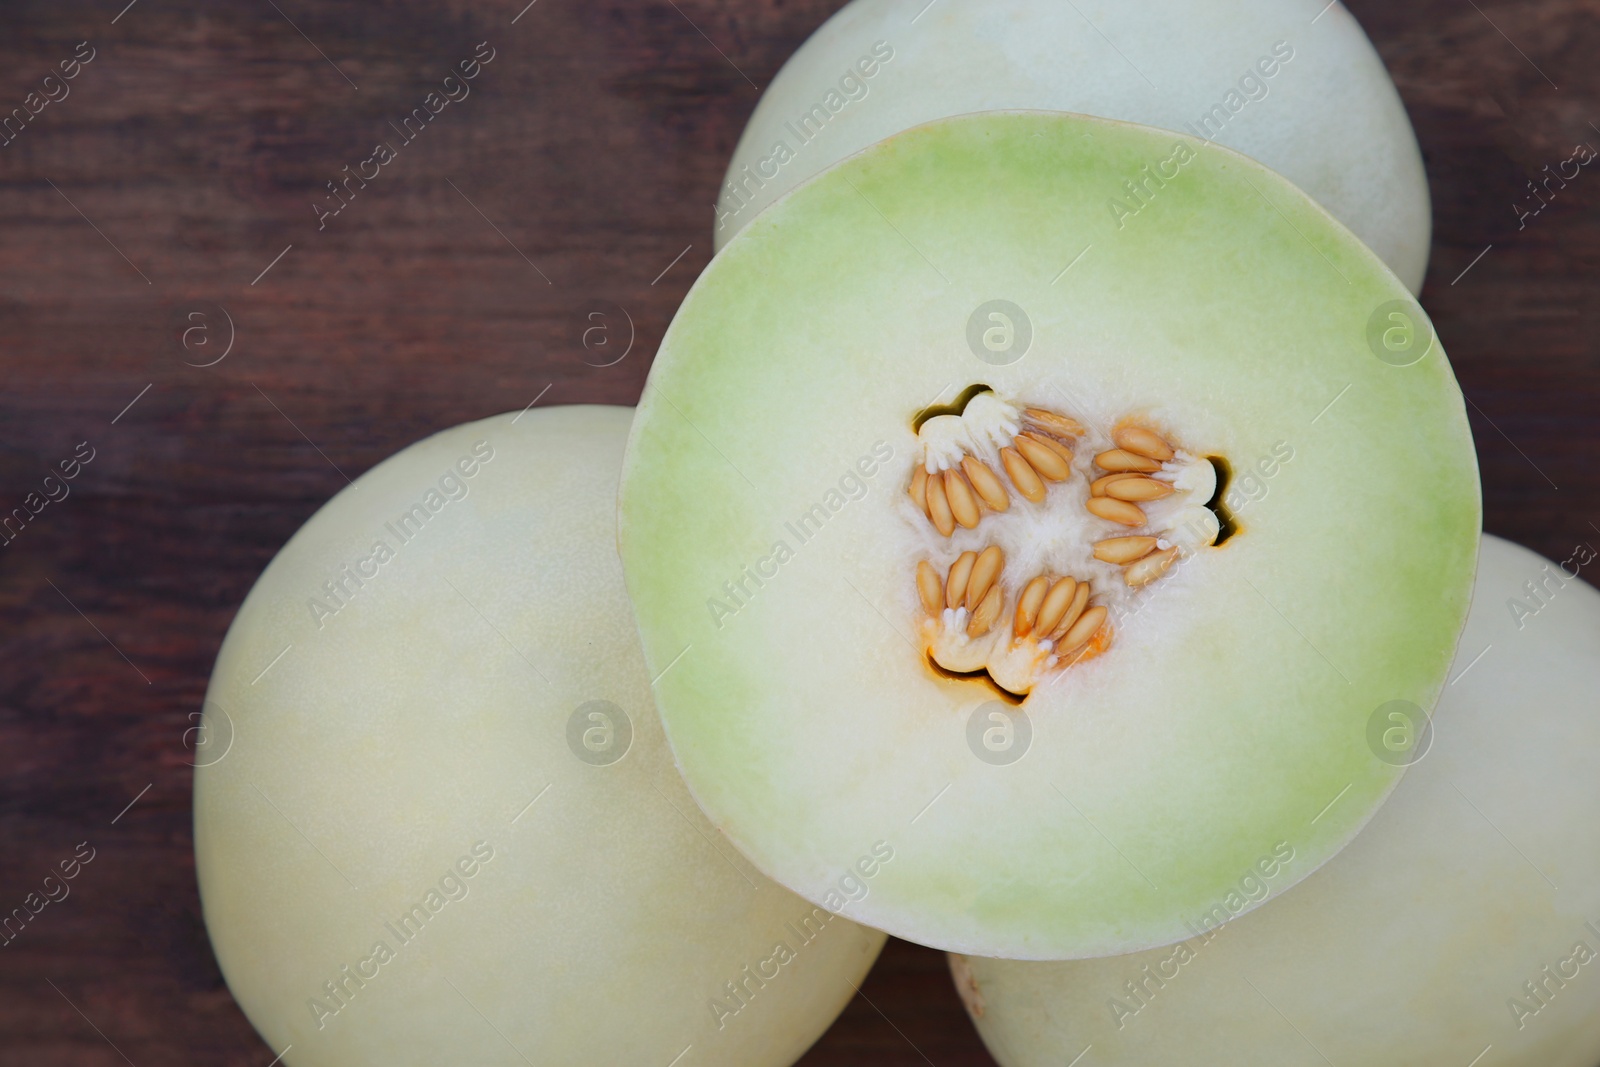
(587,158)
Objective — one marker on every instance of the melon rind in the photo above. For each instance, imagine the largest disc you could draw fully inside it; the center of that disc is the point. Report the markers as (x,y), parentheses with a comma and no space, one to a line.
(351,760)
(801,712)
(1328,119)
(1414,945)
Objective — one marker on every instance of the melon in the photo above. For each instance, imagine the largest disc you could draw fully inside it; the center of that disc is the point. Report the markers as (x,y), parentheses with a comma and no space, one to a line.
(1462,926)
(435,817)
(1294,84)
(1067,552)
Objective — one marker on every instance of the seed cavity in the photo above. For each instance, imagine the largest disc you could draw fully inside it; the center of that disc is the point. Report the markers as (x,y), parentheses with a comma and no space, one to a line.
(961,447)
(1149,508)
(962,609)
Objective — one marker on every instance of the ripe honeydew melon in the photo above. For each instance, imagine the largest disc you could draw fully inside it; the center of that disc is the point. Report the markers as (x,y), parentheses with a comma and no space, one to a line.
(1294,84)
(1088,792)
(1464,922)
(427,844)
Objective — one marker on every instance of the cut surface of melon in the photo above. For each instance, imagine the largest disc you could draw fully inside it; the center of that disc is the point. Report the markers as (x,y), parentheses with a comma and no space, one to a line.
(1294,84)
(928,302)
(435,818)
(1463,922)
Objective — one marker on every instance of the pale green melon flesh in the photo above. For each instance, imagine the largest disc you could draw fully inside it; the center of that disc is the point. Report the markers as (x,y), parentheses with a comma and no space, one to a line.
(411,731)
(1416,944)
(1326,117)
(1227,718)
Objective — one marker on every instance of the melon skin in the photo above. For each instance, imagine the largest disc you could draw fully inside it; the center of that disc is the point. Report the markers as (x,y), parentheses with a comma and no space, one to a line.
(1328,118)
(1233,311)
(390,761)
(1412,946)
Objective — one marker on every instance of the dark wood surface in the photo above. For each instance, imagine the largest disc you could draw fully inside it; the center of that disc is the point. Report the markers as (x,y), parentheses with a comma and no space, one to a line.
(585,161)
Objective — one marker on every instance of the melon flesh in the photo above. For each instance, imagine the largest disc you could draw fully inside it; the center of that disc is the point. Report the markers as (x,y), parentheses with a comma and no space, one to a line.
(410,750)
(771,548)
(1465,917)
(1327,117)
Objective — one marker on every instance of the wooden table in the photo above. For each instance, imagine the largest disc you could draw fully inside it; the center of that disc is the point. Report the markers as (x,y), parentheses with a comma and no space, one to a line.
(178,177)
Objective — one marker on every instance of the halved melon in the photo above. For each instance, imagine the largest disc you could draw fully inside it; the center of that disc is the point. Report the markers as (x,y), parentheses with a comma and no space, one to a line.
(1223,464)
(1294,84)
(1462,926)
(435,818)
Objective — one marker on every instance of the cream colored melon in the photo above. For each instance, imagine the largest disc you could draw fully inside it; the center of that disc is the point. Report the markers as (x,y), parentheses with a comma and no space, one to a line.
(1461,927)
(1293,83)
(436,821)
(952,315)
